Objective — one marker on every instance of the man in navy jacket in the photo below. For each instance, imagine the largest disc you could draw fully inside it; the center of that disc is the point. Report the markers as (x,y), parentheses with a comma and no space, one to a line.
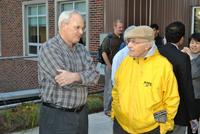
(186,114)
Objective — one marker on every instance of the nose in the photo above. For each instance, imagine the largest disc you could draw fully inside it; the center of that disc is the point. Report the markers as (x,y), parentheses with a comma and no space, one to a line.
(129,44)
(81,31)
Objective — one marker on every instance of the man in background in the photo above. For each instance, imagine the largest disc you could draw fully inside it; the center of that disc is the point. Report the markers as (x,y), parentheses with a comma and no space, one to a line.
(121,54)
(158,39)
(186,114)
(110,47)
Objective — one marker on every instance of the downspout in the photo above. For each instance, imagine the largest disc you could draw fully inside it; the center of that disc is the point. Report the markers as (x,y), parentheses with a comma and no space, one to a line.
(150,6)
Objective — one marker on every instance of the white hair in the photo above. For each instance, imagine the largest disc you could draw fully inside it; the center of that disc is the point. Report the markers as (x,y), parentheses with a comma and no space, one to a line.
(65,17)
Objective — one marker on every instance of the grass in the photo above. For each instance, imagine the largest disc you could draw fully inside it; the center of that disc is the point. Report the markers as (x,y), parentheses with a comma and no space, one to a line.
(26,115)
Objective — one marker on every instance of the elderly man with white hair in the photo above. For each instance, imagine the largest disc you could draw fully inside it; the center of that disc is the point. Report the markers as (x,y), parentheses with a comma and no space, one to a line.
(145,93)
(65,69)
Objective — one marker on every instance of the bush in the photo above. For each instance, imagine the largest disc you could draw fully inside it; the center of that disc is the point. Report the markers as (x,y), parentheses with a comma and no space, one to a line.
(22,117)
(95,103)
(26,115)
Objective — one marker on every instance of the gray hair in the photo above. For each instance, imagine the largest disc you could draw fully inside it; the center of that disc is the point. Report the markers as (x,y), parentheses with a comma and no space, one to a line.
(127,30)
(117,21)
(65,17)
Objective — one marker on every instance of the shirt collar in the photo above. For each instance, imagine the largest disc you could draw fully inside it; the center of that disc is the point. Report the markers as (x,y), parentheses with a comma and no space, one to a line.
(175,45)
(152,50)
(64,45)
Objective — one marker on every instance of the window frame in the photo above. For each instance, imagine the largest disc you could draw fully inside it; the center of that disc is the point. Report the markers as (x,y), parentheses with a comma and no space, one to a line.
(25,16)
(193,18)
(58,11)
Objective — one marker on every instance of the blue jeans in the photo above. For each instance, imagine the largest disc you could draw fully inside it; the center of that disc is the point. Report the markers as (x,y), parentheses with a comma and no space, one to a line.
(107,91)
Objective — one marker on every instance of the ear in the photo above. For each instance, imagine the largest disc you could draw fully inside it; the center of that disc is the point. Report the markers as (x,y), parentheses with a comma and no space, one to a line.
(148,45)
(181,41)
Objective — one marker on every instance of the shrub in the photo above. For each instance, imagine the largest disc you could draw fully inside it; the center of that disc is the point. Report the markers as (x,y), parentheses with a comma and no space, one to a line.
(22,117)
(27,115)
(95,103)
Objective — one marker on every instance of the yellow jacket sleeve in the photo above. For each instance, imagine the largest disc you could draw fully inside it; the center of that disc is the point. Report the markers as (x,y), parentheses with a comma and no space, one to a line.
(115,97)
(171,101)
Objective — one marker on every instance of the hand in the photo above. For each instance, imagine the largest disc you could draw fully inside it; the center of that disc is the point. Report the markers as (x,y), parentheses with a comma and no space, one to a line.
(194,125)
(65,77)
(110,66)
(187,51)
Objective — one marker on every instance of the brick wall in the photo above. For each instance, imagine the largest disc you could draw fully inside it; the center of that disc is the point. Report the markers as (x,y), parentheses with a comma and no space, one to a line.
(96,23)
(21,74)
(12,34)
(18,74)
(51,15)
(11,26)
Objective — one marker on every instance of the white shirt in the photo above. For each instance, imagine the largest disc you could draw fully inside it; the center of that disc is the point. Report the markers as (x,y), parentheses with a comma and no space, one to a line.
(118,58)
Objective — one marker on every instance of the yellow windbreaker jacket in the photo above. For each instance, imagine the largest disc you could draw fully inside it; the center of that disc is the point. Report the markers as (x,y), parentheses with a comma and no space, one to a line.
(142,87)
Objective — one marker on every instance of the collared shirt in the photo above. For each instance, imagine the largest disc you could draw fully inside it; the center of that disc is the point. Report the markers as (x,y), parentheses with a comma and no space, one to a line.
(175,45)
(151,51)
(55,54)
(118,58)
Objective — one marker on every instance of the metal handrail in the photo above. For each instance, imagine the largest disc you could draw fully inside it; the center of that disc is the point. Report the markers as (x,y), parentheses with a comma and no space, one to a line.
(15,98)
(17,57)
(12,99)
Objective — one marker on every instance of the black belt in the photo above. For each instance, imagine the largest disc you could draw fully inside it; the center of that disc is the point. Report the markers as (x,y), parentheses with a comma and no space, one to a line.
(76,110)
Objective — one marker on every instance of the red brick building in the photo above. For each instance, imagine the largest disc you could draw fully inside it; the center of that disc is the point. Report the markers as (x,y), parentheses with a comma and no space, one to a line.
(26,24)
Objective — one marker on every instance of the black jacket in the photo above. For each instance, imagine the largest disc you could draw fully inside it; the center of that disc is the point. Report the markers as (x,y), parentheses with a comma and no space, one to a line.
(182,70)
(159,41)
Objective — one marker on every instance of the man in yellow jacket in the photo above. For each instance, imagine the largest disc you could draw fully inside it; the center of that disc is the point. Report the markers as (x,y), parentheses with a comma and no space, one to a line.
(145,93)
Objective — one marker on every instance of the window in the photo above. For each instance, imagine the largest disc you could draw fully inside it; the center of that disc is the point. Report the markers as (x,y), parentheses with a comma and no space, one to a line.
(36,27)
(80,6)
(195,19)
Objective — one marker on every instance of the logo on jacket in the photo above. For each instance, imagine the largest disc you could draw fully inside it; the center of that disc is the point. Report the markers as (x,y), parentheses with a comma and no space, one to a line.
(147,84)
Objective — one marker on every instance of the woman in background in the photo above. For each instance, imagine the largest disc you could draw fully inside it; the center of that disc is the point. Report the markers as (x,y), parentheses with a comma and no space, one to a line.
(194,52)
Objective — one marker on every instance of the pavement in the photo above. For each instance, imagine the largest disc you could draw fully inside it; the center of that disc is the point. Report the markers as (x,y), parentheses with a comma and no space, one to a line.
(98,124)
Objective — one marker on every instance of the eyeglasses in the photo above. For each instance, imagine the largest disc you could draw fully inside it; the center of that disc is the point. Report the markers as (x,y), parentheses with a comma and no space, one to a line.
(135,42)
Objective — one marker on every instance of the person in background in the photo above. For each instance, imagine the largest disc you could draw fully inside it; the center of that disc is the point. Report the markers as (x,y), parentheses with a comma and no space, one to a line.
(158,39)
(122,45)
(174,34)
(65,69)
(120,55)
(194,52)
(110,47)
(145,99)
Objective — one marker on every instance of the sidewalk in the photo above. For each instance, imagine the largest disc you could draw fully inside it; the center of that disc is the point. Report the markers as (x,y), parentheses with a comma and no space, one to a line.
(98,124)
